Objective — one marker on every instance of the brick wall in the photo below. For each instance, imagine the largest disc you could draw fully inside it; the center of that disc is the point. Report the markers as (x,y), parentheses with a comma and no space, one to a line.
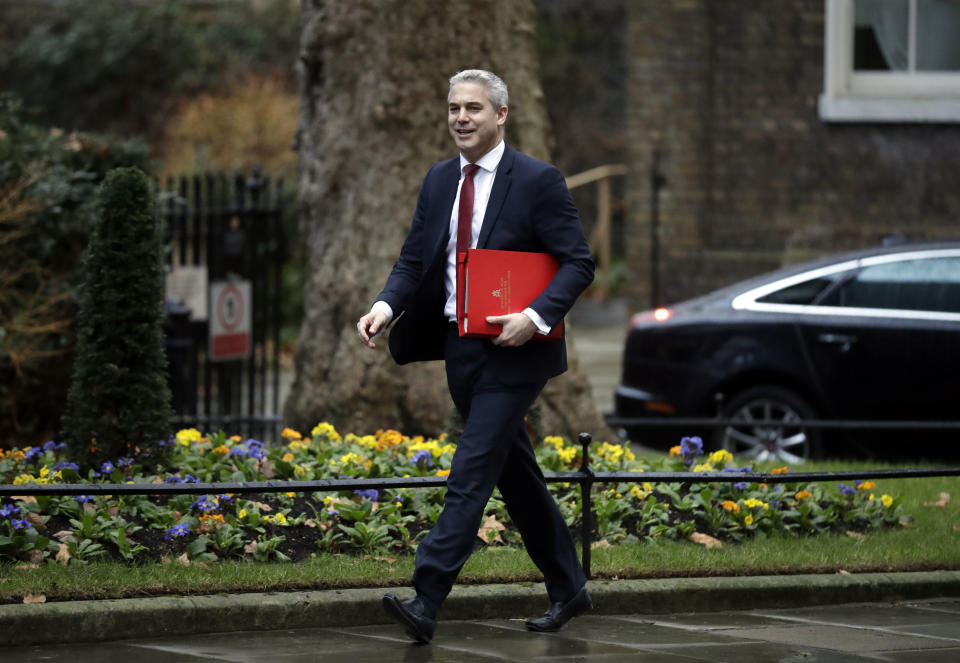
(727,93)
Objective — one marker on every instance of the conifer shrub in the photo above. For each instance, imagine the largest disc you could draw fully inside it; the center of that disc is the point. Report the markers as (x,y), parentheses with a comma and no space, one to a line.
(119,402)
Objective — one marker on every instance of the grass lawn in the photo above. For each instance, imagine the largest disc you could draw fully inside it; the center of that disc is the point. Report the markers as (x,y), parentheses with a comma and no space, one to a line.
(930,541)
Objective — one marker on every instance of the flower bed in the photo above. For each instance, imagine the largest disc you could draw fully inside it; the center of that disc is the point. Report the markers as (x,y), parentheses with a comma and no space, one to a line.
(293,526)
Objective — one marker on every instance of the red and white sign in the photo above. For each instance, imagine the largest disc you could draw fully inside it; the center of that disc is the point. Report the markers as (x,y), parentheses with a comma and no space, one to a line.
(230,314)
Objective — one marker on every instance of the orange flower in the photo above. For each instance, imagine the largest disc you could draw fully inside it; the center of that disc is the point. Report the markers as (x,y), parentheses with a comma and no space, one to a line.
(803,494)
(443,473)
(730,505)
(867,485)
(780,470)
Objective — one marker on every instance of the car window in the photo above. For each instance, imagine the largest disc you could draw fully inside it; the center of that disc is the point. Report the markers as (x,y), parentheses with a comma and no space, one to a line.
(931,284)
(805,292)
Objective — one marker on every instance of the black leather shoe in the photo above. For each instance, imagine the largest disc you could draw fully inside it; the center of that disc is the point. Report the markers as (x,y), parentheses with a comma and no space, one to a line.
(560,613)
(412,616)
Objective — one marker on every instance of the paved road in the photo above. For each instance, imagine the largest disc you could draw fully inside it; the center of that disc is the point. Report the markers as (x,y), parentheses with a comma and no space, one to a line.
(925,630)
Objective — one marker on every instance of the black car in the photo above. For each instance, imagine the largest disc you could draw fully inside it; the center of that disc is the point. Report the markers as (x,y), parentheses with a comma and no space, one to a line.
(870,335)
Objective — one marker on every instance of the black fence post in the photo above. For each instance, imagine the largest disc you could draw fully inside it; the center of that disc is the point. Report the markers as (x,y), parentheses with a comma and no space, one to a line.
(586,511)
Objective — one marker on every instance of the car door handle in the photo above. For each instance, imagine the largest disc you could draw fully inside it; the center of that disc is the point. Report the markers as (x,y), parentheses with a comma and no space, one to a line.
(845,341)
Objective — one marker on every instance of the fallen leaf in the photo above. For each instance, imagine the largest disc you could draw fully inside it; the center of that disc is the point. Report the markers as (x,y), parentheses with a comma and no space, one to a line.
(388,560)
(941,503)
(856,535)
(35,519)
(266,467)
(183,559)
(843,572)
(263,507)
(113,510)
(34,598)
(250,547)
(705,540)
(27,566)
(36,556)
(29,499)
(490,530)
(202,565)
(310,522)
(906,523)
(63,534)
(602,543)
(63,556)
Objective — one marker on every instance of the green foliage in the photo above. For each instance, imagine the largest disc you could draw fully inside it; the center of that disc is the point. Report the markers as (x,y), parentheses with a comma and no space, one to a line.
(48,181)
(119,66)
(377,522)
(119,402)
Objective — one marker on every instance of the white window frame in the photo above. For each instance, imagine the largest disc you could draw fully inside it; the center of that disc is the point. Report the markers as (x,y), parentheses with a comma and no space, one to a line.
(861,96)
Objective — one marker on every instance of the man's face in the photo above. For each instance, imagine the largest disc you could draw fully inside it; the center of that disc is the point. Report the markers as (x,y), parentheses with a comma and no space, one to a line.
(475,125)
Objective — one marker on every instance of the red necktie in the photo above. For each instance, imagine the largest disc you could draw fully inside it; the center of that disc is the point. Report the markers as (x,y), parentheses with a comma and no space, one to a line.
(465,213)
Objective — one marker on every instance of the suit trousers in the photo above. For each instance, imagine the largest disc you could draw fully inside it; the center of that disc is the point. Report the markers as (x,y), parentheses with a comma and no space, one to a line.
(493,451)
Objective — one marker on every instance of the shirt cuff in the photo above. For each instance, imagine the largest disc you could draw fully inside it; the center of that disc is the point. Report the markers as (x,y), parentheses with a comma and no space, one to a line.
(542,327)
(384,308)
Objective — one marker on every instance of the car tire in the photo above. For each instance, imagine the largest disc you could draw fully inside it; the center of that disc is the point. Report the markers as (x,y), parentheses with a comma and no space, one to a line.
(785,441)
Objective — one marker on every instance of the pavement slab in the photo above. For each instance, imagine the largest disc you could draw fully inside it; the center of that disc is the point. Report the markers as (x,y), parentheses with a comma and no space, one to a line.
(686,620)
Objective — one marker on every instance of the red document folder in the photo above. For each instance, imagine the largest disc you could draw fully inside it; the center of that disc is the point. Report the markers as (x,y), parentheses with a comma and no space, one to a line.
(491,282)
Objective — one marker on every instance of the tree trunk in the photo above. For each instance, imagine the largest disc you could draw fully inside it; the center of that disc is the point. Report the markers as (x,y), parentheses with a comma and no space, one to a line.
(373,81)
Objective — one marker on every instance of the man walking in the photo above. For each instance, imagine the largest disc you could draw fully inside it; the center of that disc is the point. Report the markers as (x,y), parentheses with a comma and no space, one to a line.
(494,197)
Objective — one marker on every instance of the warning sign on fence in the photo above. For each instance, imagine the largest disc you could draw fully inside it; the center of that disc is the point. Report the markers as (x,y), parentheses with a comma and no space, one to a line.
(230,315)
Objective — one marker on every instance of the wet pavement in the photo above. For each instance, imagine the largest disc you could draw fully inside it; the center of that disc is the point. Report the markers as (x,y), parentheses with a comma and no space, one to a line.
(923,630)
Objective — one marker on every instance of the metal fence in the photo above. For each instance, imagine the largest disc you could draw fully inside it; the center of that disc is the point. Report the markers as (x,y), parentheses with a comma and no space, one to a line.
(226,248)
(585,477)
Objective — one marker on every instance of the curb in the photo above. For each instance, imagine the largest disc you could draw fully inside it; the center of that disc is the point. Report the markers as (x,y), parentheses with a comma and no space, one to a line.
(119,619)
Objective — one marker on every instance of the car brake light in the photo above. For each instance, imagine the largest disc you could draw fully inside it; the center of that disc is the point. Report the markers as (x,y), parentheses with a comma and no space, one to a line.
(659,315)
(655,406)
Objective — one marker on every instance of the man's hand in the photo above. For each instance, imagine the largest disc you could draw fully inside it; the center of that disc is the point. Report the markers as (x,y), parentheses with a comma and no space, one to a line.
(370,325)
(517,329)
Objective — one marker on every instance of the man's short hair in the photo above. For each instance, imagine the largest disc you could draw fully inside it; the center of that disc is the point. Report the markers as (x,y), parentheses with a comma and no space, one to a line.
(496,88)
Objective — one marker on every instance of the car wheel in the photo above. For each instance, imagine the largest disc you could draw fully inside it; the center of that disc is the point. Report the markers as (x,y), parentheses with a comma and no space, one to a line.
(784,440)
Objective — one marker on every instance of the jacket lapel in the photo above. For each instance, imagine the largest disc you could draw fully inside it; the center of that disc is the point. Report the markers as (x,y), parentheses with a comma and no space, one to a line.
(449,175)
(501,186)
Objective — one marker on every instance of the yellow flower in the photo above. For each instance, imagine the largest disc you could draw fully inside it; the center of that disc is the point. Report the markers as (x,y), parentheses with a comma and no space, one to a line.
(748,520)
(287,457)
(803,494)
(730,505)
(323,429)
(886,499)
(278,519)
(675,451)
(443,473)
(555,441)
(290,494)
(867,485)
(703,467)
(290,434)
(567,454)
(641,493)
(720,456)
(242,514)
(188,436)
(328,500)
(753,503)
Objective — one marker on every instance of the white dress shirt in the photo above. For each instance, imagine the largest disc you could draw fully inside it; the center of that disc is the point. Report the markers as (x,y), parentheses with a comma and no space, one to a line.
(482,186)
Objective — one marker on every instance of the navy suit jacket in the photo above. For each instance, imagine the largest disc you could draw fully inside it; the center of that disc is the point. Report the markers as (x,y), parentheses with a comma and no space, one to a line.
(530,209)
